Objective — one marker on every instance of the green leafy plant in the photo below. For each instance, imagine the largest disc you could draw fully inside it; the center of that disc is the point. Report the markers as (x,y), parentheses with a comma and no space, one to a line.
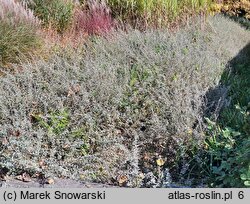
(81,133)
(245,176)
(228,155)
(55,122)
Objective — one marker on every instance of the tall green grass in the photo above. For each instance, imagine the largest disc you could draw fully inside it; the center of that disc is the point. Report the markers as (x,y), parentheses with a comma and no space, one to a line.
(18,32)
(17,42)
(154,11)
(53,13)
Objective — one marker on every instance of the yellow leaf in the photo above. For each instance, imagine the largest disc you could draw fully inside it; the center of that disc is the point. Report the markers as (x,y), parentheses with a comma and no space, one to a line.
(160,162)
(122,179)
(206,146)
(190,131)
(50,181)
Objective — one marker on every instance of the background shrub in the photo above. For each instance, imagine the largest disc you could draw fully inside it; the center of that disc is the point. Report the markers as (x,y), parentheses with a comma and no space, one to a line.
(93,18)
(239,8)
(53,13)
(154,12)
(16,13)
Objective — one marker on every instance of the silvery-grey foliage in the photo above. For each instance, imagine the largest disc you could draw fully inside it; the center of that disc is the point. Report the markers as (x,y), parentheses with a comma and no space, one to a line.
(131,95)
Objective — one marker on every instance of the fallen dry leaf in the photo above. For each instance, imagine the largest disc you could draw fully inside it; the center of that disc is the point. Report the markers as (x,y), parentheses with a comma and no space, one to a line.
(5,141)
(160,162)
(50,181)
(24,177)
(122,179)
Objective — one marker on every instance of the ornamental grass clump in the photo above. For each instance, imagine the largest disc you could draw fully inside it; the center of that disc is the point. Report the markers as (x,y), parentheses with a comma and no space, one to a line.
(156,13)
(94,19)
(15,13)
(56,14)
(18,32)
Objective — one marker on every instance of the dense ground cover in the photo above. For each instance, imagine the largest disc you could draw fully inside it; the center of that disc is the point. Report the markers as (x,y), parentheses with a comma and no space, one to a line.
(127,109)
(102,91)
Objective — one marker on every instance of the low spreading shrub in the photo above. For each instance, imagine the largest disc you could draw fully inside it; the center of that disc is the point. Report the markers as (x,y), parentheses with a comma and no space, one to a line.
(127,112)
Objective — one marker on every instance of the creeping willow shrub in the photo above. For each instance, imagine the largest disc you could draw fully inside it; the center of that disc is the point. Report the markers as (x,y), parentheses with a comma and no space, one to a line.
(132,104)
(18,31)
